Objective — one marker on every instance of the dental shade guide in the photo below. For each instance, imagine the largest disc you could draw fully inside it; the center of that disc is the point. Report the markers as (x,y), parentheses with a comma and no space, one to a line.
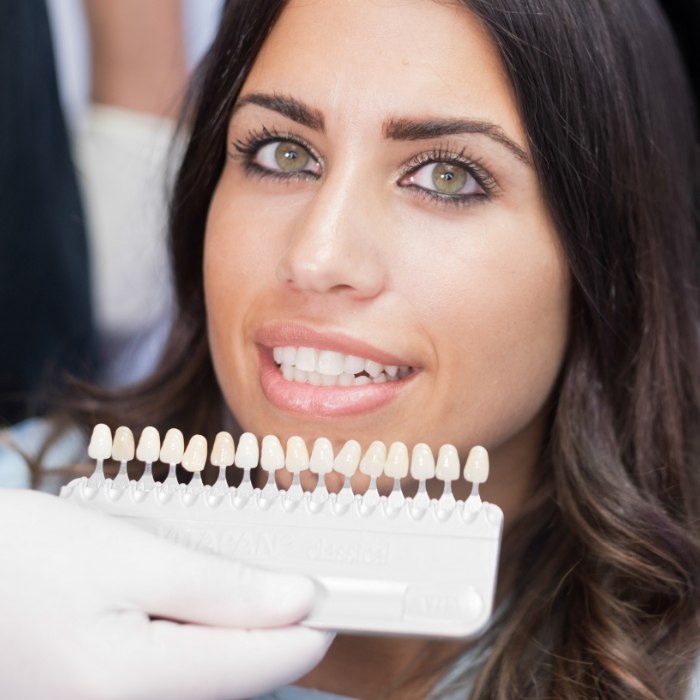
(391,565)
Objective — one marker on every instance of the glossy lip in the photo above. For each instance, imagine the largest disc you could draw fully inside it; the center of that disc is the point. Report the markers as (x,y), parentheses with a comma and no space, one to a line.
(324,401)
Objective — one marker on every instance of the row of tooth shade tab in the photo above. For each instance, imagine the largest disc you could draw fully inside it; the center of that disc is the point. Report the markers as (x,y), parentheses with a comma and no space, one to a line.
(393,462)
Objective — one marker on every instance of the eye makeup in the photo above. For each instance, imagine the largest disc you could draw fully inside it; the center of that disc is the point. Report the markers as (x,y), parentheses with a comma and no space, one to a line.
(258,157)
(247,151)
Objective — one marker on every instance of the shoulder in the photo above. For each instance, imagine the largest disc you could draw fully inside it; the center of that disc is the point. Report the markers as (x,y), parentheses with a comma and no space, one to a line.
(37,440)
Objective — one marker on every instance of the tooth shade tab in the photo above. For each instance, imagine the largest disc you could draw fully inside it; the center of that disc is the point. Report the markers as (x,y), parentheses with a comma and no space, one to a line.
(396,465)
(447,467)
(271,454)
(223,451)
(148,448)
(422,462)
(348,458)
(372,462)
(247,453)
(100,446)
(173,447)
(123,444)
(321,460)
(476,470)
(195,456)
(297,457)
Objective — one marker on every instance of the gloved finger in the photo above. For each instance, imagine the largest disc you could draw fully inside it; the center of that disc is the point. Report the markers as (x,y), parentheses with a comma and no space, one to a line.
(191,662)
(169,581)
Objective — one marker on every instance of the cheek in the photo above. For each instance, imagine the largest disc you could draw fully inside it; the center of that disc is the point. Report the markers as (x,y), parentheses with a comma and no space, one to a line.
(228,276)
(234,256)
(496,309)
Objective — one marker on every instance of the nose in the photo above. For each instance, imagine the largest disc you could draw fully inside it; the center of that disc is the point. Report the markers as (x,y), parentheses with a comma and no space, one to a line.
(335,243)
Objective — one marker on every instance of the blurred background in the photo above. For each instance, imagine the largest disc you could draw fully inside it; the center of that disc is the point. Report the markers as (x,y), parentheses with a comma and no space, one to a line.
(92,93)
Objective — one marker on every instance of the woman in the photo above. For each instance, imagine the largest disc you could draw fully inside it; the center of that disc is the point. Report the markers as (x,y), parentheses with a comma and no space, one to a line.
(494,201)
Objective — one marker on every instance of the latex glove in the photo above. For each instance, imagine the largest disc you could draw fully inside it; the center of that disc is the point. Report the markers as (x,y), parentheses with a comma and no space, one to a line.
(87,604)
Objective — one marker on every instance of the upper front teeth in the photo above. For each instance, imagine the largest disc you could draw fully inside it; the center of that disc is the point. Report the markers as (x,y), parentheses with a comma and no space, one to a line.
(328,368)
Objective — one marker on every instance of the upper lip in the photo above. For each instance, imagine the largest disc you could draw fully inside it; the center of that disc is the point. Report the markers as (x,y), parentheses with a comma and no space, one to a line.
(284,333)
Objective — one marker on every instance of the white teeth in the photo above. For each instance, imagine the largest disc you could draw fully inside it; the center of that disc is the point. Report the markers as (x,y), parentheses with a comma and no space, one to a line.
(100,446)
(476,469)
(123,444)
(447,466)
(397,461)
(330,363)
(321,461)
(297,457)
(346,379)
(306,365)
(348,458)
(374,369)
(223,452)
(306,359)
(372,463)
(195,456)
(422,462)
(247,453)
(271,454)
(173,447)
(149,445)
(353,364)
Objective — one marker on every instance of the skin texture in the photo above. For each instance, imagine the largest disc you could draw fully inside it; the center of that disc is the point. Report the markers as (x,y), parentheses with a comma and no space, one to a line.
(473,296)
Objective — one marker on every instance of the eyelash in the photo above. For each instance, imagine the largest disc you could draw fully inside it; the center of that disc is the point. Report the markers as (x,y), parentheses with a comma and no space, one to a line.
(246,149)
(472,166)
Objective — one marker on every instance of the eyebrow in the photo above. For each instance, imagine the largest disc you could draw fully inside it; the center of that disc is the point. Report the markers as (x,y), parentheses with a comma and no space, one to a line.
(417,130)
(287,106)
(396,129)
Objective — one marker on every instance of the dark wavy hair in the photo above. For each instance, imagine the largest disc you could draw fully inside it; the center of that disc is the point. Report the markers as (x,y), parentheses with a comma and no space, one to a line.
(606,563)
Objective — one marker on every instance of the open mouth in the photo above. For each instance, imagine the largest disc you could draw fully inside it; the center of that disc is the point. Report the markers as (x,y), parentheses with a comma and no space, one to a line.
(306,365)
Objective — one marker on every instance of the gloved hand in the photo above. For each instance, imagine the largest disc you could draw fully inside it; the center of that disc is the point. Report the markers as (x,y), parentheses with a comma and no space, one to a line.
(92,607)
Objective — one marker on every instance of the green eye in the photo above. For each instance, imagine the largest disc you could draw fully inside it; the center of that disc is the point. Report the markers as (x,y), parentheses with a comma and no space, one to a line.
(446,180)
(283,158)
(291,157)
(449,178)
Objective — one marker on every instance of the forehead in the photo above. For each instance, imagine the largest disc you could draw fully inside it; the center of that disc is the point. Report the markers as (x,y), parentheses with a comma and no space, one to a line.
(363,57)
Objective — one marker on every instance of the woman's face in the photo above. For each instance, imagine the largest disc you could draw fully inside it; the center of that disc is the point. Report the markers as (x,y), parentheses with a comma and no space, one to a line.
(378,202)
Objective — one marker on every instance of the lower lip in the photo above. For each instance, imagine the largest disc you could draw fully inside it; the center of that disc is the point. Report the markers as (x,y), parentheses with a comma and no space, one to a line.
(324,401)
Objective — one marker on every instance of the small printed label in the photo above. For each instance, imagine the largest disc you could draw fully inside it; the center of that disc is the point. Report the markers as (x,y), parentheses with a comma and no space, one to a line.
(326,550)
(250,545)
(438,602)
